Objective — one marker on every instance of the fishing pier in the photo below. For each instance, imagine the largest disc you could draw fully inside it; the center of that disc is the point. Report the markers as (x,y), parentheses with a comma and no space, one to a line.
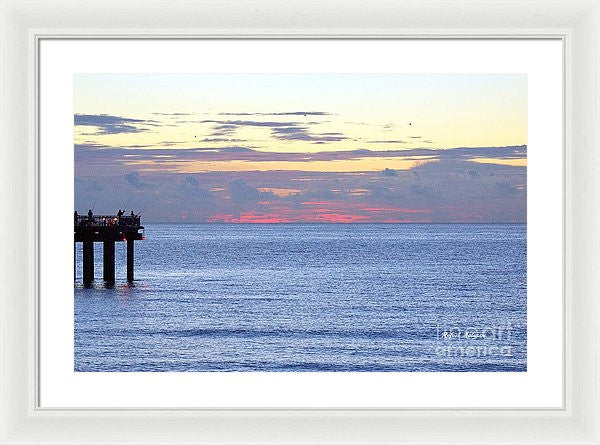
(107,229)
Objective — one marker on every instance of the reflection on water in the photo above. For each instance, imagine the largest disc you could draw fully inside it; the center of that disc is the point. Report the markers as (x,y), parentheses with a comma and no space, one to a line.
(314,297)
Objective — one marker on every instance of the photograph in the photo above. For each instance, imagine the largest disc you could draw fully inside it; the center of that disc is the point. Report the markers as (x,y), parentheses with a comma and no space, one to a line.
(309,222)
(302,222)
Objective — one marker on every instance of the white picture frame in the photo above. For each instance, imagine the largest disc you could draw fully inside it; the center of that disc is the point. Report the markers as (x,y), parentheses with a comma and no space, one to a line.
(25,23)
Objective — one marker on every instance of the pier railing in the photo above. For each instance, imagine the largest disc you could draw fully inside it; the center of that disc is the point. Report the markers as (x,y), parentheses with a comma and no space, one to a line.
(108,220)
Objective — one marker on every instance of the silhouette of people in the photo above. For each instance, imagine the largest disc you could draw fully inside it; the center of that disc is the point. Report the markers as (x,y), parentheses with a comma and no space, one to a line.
(119,215)
(76,215)
(90,216)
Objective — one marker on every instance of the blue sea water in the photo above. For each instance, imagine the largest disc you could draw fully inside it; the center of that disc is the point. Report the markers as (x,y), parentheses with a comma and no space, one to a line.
(310,297)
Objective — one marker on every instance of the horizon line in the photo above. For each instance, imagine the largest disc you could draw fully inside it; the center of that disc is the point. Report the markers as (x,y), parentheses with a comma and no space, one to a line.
(329,223)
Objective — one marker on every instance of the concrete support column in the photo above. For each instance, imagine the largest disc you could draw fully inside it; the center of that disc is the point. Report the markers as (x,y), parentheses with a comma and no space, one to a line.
(88,262)
(109,262)
(129,260)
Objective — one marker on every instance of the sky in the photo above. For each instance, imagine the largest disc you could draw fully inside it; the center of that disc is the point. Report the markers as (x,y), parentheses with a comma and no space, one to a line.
(286,148)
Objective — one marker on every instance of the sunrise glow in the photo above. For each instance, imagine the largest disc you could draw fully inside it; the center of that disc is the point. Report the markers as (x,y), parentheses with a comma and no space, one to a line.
(259,148)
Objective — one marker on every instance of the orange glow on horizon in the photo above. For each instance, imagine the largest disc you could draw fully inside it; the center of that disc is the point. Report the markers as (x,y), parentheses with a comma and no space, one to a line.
(279,192)
(326,211)
(514,162)
(365,164)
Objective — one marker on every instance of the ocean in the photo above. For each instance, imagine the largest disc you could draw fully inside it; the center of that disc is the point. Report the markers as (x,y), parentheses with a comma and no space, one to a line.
(310,297)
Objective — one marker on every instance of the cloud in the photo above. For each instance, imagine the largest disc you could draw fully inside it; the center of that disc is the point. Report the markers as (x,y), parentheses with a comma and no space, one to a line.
(95,157)
(218,140)
(452,189)
(285,131)
(245,123)
(224,130)
(164,144)
(133,179)
(108,124)
(232,149)
(296,133)
(242,193)
(419,189)
(190,188)
(94,154)
(172,114)
(506,189)
(441,216)
(87,185)
(389,172)
(284,113)
(387,142)
(191,181)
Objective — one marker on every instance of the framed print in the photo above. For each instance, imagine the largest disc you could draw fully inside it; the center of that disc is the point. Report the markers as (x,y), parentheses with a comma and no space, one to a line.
(295,225)
(197,176)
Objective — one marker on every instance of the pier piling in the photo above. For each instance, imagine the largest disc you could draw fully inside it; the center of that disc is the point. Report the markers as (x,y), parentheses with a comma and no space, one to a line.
(109,262)
(88,262)
(129,260)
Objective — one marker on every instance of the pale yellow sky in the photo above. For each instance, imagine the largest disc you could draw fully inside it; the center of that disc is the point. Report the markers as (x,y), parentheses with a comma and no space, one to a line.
(366,111)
